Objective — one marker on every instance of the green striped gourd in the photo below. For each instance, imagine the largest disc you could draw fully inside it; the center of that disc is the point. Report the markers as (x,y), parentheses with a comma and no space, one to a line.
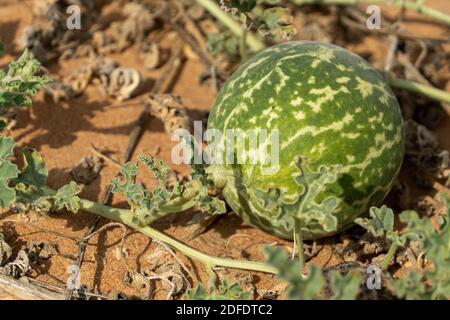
(331,108)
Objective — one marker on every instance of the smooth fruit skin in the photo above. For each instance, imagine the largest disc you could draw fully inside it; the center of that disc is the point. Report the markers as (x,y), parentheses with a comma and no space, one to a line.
(330,106)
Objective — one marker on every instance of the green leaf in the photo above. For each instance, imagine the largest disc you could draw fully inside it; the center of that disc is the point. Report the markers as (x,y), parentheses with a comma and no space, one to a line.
(411,287)
(307,207)
(20,82)
(160,169)
(207,203)
(270,200)
(313,183)
(225,291)
(198,169)
(135,194)
(303,288)
(66,197)
(34,171)
(212,205)
(436,245)
(28,188)
(6,147)
(417,228)
(274,19)
(8,171)
(148,206)
(197,293)
(30,185)
(345,287)
(380,222)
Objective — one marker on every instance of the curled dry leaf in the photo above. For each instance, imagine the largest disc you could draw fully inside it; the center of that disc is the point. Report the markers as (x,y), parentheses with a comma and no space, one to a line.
(5,251)
(74,84)
(169,110)
(123,83)
(38,251)
(361,248)
(80,79)
(139,21)
(87,169)
(150,55)
(115,81)
(103,68)
(274,292)
(52,42)
(140,282)
(164,267)
(59,91)
(17,268)
(102,42)
(134,29)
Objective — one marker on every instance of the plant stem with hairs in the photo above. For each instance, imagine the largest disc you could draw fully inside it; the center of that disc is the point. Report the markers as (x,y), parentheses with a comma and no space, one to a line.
(299,241)
(126,217)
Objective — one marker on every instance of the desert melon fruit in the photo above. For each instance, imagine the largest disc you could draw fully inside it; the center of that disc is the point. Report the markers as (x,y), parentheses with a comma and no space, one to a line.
(329,107)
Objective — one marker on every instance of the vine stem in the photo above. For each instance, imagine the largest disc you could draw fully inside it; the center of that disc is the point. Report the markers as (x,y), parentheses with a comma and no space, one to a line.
(126,217)
(422,89)
(212,282)
(299,241)
(389,256)
(252,40)
(257,44)
(411,5)
(243,46)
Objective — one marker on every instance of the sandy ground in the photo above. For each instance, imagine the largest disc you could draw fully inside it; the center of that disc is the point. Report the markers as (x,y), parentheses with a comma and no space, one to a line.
(64,133)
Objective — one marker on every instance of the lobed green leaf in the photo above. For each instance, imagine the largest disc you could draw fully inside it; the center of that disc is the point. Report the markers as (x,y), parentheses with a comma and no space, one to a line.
(34,171)
(303,288)
(20,82)
(433,283)
(225,291)
(136,196)
(345,287)
(8,172)
(313,183)
(66,197)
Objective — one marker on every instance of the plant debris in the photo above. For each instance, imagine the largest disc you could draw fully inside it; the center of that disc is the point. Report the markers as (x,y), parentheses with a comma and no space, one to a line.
(122,47)
(114,81)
